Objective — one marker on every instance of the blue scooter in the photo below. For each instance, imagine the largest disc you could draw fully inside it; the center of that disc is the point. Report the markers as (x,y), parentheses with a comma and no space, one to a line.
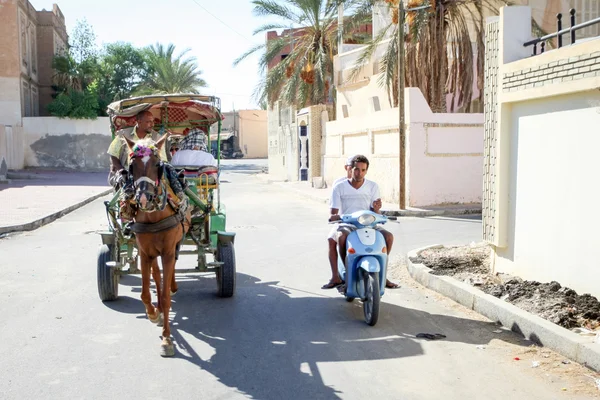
(366,262)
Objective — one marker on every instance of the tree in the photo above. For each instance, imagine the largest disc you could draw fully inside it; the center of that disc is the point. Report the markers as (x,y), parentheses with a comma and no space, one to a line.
(122,68)
(305,75)
(75,75)
(440,57)
(168,73)
(82,43)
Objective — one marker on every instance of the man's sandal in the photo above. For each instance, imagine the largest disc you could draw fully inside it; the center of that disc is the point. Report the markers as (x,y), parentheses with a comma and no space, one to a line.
(332,284)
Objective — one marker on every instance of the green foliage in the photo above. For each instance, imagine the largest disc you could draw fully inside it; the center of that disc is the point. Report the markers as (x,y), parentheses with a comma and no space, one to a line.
(122,67)
(76,104)
(61,106)
(86,80)
(305,75)
(167,73)
(82,45)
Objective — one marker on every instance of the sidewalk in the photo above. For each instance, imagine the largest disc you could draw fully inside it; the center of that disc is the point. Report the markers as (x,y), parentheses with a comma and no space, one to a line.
(34,198)
(391,209)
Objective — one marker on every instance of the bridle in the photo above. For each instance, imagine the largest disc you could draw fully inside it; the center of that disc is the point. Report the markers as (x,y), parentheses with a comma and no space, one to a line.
(154,191)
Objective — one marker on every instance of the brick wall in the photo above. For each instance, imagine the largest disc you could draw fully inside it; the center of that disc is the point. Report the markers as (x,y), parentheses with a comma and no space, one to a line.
(564,70)
(9,45)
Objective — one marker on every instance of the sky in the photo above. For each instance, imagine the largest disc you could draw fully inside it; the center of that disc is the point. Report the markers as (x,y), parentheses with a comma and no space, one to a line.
(215,40)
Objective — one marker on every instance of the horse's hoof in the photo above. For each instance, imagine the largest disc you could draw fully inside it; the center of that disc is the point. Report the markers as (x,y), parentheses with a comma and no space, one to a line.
(173,293)
(158,319)
(167,348)
(161,320)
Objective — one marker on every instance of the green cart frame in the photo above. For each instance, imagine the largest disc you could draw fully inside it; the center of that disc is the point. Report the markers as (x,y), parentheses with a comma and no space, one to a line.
(207,237)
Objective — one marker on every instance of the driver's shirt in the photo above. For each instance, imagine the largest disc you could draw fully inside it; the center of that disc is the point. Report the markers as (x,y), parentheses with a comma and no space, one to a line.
(118,147)
(347,199)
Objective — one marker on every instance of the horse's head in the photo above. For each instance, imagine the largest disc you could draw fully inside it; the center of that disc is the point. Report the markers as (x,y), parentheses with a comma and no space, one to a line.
(146,169)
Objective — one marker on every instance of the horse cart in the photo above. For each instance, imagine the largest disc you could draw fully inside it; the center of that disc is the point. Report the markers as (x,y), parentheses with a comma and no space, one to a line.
(206,238)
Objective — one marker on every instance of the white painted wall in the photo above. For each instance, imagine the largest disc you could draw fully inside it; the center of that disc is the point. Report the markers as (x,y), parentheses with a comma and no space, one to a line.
(60,126)
(444,161)
(10,101)
(36,128)
(11,146)
(546,171)
(444,154)
(553,226)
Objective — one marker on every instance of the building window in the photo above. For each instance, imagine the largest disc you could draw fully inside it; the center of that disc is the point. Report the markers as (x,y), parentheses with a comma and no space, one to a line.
(24,40)
(26,100)
(35,101)
(33,50)
(586,11)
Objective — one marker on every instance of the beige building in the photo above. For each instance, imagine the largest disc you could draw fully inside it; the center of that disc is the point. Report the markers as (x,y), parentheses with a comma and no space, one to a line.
(541,164)
(249,129)
(30,39)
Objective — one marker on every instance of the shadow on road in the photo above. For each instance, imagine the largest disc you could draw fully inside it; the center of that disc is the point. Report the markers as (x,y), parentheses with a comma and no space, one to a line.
(266,341)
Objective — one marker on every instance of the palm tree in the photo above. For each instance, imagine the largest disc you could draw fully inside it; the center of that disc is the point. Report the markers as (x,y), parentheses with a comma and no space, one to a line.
(305,75)
(69,74)
(440,56)
(168,73)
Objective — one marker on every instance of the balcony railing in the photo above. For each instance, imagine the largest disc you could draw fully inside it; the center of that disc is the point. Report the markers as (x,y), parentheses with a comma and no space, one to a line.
(560,32)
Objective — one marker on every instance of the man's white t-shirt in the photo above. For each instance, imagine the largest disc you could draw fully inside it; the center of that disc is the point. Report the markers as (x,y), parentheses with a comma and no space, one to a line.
(338,181)
(347,199)
(193,157)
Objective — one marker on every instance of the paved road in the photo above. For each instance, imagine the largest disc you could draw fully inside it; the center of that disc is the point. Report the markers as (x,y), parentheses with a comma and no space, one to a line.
(279,337)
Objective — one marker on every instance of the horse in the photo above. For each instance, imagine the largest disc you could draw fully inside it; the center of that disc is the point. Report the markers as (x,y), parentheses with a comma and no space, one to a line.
(158,229)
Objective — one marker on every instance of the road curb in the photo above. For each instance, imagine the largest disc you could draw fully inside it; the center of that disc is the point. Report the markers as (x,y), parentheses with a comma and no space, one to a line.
(432,213)
(30,226)
(532,327)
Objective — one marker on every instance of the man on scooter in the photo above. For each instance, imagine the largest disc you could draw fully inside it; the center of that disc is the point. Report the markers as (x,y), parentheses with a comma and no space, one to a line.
(349,195)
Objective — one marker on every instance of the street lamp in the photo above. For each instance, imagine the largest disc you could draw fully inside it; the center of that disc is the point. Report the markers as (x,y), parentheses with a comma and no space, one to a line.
(401,129)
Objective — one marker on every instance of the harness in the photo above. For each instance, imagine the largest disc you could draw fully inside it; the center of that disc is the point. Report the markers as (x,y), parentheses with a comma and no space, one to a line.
(163,194)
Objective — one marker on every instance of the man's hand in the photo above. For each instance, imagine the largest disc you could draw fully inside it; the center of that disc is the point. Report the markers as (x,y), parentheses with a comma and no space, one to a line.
(334,217)
(377,205)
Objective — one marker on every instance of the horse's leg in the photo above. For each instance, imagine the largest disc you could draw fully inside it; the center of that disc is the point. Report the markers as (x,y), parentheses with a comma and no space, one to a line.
(168,261)
(173,283)
(157,282)
(174,287)
(146,264)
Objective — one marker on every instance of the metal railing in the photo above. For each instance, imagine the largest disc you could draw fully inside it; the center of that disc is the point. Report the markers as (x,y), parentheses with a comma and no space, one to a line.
(561,32)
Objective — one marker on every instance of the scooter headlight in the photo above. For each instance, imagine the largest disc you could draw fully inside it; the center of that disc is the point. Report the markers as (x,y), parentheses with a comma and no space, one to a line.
(366,219)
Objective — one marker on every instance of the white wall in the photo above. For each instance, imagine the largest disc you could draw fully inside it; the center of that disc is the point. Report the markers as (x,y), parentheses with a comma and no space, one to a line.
(66,143)
(553,226)
(544,151)
(11,146)
(10,101)
(444,152)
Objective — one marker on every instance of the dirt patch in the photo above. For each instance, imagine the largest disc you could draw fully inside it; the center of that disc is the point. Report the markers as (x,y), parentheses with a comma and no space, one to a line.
(551,301)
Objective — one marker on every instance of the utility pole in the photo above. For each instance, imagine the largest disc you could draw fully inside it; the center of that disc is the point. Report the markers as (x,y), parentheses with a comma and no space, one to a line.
(401,125)
(401,129)
(340,27)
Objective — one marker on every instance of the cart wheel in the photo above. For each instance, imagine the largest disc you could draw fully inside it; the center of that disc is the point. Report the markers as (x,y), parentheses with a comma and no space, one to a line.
(108,280)
(226,272)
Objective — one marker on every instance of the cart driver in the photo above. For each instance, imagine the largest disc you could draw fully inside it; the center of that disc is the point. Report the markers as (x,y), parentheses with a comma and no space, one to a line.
(119,157)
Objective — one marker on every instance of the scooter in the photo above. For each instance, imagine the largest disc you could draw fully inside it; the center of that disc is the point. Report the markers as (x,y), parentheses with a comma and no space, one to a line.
(366,262)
